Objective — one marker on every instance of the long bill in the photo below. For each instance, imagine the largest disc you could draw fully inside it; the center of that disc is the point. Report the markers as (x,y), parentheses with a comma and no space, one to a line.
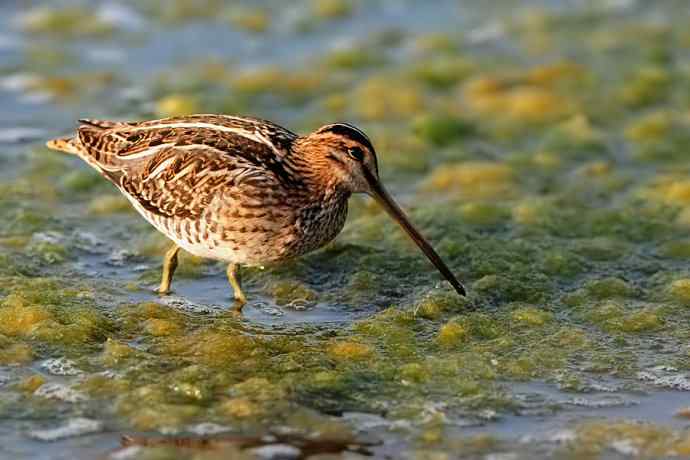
(384,199)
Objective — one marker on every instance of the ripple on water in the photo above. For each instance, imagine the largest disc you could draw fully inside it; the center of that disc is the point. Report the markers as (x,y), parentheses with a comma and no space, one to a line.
(666,378)
(61,366)
(277,452)
(60,392)
(77,426)
(208,428)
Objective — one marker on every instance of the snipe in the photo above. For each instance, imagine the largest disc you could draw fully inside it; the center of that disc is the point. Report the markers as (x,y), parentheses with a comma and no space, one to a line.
(238,189)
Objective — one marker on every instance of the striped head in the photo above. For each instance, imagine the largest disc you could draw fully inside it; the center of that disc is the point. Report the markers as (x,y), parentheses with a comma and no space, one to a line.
(345,156)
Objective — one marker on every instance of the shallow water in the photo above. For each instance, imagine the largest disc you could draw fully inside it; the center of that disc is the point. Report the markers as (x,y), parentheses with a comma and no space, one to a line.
(542,147)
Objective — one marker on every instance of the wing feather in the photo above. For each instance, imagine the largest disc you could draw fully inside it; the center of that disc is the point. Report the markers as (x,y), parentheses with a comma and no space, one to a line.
(175,167)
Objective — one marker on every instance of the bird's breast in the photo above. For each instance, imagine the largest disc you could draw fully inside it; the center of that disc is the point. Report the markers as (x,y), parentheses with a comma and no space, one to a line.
(319,224)
(272,229)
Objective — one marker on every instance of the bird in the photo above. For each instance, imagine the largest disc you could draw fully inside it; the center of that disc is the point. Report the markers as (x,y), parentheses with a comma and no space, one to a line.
(242,190)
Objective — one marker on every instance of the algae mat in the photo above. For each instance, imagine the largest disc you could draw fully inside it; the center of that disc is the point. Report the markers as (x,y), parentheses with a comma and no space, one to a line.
(542,146)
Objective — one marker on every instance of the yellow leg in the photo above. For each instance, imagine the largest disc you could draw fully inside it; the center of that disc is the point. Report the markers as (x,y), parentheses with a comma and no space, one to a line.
(236,283)
(169,266)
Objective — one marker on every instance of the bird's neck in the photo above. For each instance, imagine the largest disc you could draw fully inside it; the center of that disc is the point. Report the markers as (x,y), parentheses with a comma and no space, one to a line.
(316,172)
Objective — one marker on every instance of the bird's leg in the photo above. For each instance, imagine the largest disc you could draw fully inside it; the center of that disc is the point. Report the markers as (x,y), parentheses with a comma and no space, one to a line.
(169,266)
(236,283)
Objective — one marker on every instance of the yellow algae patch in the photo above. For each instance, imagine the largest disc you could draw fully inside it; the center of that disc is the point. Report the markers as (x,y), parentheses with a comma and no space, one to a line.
(530,211)
(380,98)
(162,416)
(212,348)
(258,389)
(18,319)
(680,290)
(331,9)
(555,73)
(641,439)
(177,105)
(478,180)
(530,316)
(648,86)
(250,19)
(612,317)
(451,334)
(276,81)
(74,326)
(520,102)
(100,385)
(442,72)
(677,192)
(349,351)
(534,103)
(156,319)
(240,408)
(482,213)
(115,352)
(66,22)
(31,384)
(435,43)
(15,242)
(671,190)
(17,353)
(651,127)
(433,306)
(152,315)
(484,94)
(579,128)
(161,327)
(414,372)
(683,217)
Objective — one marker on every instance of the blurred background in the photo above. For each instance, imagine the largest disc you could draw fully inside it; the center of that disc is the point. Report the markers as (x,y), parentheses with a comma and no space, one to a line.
(543,146)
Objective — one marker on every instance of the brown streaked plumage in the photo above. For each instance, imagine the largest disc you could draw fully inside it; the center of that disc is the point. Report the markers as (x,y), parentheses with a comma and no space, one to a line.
(238,189)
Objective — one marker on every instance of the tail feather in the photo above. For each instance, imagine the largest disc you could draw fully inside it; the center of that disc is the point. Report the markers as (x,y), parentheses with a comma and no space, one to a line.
(65,144)
(102,124)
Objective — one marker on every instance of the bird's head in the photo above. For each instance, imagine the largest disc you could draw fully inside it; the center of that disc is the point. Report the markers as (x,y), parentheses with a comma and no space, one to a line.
(346,156)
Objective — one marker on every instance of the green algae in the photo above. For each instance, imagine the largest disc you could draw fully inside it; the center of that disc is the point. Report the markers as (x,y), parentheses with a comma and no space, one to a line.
(41,311)
(443,72)
(613,317)
(354,58)
(16,353)
(645,440)
(608,287)
(442,130)
(292,293)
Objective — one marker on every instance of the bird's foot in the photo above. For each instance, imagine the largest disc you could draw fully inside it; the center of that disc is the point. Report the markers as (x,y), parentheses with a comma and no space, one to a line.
(237,306)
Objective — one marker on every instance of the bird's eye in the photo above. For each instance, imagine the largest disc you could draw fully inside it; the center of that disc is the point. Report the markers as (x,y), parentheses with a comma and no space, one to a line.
(356,153)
